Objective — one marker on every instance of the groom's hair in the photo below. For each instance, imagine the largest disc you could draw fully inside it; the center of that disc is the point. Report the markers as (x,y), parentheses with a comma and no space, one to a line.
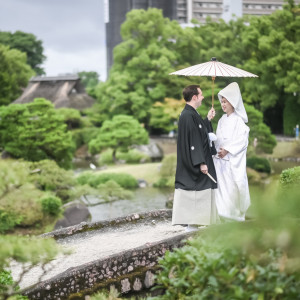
(189,91)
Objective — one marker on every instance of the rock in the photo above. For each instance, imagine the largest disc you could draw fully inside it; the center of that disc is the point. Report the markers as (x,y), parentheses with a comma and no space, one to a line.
(169,202)
(142,183)
(152,150)
(75,213)
(5,155)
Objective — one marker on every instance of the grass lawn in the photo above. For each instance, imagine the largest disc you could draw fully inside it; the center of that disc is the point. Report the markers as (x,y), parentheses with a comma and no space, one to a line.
(148,171)
(286,149)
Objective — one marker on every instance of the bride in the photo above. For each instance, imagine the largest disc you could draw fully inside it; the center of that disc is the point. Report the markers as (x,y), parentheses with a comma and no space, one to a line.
(232,195)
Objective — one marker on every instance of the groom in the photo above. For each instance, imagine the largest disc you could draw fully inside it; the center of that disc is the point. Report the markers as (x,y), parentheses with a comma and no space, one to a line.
(194,199)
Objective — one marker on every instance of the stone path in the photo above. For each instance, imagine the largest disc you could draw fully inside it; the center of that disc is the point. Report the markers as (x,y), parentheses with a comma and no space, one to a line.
(98,244)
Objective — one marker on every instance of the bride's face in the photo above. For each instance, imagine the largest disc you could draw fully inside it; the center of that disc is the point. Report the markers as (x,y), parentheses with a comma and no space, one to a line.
(226,106)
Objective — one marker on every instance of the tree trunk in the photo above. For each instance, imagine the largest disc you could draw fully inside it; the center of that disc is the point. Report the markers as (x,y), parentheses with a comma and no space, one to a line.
(114,156)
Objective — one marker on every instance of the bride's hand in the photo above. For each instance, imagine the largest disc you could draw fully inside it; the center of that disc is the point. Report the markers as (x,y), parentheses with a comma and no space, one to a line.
(222,153)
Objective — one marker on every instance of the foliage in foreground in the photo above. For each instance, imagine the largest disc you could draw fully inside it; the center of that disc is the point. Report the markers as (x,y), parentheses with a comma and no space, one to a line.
(208,269)
(249,260)
(24,250)
(8,286)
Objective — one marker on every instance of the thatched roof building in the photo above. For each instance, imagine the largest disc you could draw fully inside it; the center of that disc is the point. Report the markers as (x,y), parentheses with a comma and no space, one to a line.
(62,91)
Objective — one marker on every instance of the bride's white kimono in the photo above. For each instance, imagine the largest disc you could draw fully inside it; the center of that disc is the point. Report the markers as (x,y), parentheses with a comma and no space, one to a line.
(232,195)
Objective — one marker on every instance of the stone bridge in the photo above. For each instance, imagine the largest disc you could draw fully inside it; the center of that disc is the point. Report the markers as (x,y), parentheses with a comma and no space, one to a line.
(121,252)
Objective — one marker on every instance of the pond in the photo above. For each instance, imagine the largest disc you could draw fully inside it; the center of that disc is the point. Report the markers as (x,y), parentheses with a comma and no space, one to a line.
(150,198)
(145,199)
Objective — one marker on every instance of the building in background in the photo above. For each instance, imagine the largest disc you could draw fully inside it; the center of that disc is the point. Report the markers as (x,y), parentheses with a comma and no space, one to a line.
(62,91)
(115,15)
(216,9)
(183,11)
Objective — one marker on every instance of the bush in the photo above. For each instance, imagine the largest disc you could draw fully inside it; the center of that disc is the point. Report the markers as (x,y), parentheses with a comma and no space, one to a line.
(289,192)
(167,172)
(290,177)
(19,203)
(124,180)
(51,205)
(111,191)
(6,282)
(132,156)
(213,271)
(259,164)
(8,220)
(46,175)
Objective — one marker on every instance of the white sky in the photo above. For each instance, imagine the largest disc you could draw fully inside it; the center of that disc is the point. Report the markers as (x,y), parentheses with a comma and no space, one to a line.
(72,32)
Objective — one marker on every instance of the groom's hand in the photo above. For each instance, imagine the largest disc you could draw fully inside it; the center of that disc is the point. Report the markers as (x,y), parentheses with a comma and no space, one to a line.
(204,169)
(211,114)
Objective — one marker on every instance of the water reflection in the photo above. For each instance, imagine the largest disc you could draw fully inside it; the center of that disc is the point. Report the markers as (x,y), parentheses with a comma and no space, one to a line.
(145,199)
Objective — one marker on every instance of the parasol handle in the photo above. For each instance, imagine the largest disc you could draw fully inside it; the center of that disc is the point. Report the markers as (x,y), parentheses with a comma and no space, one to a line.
(213,91)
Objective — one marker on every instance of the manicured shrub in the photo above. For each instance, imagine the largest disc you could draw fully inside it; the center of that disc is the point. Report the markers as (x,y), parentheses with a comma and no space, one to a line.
(35,131)
(46,175)
(94,180)
(133,156)
(112,191)
(51,205)
(259,164)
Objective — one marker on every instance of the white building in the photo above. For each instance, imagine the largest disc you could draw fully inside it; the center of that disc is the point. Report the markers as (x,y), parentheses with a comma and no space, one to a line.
(225,9)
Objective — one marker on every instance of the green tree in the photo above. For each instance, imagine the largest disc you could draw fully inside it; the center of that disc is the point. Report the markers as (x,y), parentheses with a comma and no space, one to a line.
(35,131)
(119,134)
(266,141)
(273,44)
(27,43)
(90,80)
(165,115)
(71,117)
(14,74)
(139,76)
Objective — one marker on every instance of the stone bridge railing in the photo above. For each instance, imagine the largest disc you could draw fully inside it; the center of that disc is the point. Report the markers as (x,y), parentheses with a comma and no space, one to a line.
(131,270)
